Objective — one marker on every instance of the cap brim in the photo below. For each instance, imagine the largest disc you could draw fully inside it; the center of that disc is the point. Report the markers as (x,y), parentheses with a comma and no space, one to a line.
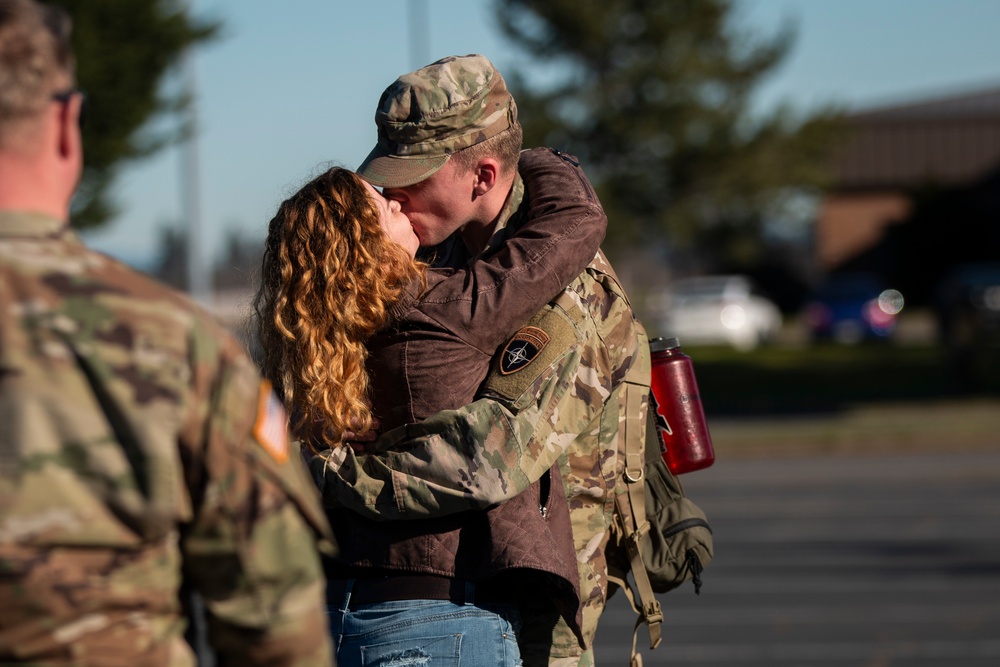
(394,171)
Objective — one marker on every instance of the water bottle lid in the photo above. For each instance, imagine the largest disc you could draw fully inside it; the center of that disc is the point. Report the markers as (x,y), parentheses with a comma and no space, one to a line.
(661,344)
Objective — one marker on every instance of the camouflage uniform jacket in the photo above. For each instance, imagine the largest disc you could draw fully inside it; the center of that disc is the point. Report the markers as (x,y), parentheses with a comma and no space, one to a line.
(565,405)
(139,452)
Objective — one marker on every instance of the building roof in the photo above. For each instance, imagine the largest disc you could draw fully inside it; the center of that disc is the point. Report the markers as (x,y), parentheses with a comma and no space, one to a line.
(978,104)
(947,141)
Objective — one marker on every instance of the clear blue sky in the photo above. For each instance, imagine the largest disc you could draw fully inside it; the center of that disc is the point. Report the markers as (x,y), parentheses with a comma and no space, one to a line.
(292,86)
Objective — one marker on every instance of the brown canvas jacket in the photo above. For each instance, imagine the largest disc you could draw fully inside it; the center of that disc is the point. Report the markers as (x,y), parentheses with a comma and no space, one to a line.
(437,353)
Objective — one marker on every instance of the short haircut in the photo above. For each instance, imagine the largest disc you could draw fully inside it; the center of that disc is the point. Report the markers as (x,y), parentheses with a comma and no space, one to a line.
(35,58)
(506,147)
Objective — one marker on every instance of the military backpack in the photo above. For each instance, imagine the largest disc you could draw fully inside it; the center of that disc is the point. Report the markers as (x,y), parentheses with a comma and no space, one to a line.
(665,534)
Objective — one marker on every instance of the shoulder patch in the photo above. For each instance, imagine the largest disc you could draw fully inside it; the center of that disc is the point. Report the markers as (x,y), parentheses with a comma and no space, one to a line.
(522,349)
(271,427)
(530,353)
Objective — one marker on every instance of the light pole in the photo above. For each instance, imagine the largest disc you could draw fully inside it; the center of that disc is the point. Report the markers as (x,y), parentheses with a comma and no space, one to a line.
(199,275)
(420,33)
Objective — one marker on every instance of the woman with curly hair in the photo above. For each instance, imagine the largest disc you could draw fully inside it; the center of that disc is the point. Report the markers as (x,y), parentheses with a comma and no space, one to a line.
(355,332)
(338,257)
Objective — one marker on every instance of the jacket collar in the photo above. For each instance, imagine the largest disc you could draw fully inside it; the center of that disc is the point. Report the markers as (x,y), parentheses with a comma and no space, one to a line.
(27,224)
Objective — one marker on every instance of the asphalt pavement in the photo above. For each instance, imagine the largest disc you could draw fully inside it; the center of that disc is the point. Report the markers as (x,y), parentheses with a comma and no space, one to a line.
(875,561)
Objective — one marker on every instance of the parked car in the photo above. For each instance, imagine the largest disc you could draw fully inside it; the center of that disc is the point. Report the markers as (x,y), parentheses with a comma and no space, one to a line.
(720,309)
(852,307)
(967,306)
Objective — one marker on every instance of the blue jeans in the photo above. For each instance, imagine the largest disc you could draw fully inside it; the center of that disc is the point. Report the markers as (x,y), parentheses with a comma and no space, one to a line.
(424,633)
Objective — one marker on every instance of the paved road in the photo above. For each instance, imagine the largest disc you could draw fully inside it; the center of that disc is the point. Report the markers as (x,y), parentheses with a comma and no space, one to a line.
(875,561)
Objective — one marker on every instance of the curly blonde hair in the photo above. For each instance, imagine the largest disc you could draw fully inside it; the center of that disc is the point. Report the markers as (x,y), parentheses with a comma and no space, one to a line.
(329,278)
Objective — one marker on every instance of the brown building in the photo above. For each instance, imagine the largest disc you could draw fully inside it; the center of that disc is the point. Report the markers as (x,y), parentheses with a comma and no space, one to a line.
(895,157)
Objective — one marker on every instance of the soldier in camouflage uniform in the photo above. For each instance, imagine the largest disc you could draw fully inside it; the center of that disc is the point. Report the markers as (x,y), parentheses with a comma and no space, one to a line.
(139,450)
(555,394)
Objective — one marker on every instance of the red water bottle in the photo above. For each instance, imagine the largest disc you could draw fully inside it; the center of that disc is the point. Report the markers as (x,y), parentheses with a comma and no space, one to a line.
(680,419)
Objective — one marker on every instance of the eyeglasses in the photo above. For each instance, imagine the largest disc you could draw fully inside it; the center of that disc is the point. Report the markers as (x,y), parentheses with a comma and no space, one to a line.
(64,96)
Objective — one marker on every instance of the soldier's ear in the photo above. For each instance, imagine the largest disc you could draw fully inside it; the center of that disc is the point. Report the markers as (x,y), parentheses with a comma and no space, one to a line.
(487,175)
(68,128)
(66,144)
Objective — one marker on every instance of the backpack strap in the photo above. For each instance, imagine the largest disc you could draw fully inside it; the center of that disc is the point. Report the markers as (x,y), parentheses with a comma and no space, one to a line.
(630,505)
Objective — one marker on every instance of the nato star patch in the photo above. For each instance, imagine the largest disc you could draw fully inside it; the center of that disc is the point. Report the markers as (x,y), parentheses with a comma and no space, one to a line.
(522,349)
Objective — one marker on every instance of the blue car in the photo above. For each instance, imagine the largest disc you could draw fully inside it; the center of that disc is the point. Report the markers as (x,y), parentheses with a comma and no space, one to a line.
(852,307)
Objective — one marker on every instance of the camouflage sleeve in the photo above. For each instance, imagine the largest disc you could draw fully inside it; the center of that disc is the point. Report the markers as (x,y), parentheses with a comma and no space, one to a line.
(252,551)
(481,454)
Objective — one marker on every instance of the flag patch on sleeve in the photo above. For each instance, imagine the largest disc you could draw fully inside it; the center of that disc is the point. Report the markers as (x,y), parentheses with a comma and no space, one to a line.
(271,427)
(522,349)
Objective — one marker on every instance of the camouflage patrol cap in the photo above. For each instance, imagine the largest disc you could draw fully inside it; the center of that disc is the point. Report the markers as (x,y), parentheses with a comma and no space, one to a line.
(427,115)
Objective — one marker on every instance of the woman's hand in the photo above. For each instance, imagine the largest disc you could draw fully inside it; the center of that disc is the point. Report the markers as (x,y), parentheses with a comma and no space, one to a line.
(356,440)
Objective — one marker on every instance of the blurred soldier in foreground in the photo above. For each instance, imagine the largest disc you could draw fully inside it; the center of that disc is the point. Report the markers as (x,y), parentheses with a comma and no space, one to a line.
(139,450)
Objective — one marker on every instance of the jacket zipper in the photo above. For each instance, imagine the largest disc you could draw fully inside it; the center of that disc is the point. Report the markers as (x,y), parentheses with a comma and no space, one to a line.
(685,525)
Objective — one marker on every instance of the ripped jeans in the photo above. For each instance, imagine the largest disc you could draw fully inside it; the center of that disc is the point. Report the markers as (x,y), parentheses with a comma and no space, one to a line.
(424,633)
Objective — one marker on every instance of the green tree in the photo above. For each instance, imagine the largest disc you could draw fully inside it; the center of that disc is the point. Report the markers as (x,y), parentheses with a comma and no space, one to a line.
(654,96)
(124,51)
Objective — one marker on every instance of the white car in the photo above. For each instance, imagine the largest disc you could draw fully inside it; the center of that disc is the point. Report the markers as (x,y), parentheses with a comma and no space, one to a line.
(716,310)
